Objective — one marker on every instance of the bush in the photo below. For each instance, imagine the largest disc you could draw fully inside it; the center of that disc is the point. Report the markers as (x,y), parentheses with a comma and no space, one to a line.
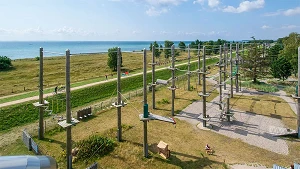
(94,147)
(5,63)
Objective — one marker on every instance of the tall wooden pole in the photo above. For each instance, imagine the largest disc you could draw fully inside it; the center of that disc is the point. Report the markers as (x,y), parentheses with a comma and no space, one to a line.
(189,67)
(199,75)
(41,96)
(220,76)
(204,87)
(237,68)
(119,134)
(298,107)
(225,65)
(153,77)
(231,76)
(68,111)
(145,103)
(173,78)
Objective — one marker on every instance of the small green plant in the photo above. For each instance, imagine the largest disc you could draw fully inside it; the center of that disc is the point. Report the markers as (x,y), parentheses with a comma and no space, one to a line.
(37,58)
(94,147)
(165,101)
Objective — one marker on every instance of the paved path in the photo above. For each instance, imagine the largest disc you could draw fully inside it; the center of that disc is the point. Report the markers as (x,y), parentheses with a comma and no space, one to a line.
(80,87)
(251,128)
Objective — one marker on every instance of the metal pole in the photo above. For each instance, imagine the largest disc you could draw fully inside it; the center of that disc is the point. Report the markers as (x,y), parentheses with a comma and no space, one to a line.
(173,78)
(119,132)
(224,63)
(237,68)
(68,111)
(227,109)
(153,77)
(41,97)
(204,87)
(231,78)
(220,76)
(199,76)
(145,103)
(298,108)
(189,66)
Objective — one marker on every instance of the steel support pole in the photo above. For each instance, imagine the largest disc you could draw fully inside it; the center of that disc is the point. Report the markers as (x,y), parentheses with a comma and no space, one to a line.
(119,132)
(153,77)
(173,78)
(204,86)
(145,102)
(68,111)
(41,96)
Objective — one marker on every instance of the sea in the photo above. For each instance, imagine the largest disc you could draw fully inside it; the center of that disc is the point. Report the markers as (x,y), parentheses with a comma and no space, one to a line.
(30,49)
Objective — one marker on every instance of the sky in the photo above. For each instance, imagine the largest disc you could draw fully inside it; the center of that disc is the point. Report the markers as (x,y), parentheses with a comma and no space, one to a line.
(147,20)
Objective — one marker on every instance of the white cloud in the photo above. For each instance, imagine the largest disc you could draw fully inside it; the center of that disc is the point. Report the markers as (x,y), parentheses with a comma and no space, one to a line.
(245,6)
(273,13)
(289,27)
(210,3)
(213,3)
(165,2)
(290,12)
(265,27)
(199,2)
(153,11)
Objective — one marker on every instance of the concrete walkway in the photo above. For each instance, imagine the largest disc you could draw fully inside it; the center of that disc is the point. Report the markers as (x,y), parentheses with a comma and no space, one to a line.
(251,128)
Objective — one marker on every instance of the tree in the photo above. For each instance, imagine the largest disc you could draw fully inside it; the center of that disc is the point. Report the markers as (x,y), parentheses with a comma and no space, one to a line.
(157,52)
(281,68)
(150,47)
(112,60)
(273,52)
(290,49)
(254,61)
(168,45)
(5,63)
(182,46)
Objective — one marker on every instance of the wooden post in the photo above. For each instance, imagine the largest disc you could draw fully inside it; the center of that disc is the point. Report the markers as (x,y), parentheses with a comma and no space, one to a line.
(237,68)
(204,87)
(41,97)
(298,107)
(225,66)
(220,76)
(68,111)
(119,132)
(199,75)
(145,103)
(153,77)
(189,67)
(231,77)
(173,78)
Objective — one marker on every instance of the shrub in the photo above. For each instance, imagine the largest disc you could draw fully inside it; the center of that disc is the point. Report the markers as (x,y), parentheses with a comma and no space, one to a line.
(94,146)
(5,63)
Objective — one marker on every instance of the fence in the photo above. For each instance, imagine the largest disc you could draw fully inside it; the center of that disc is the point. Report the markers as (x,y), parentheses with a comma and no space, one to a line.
(31,145)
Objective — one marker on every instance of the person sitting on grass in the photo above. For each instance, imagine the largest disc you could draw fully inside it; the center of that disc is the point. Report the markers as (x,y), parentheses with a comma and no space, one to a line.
(208,149)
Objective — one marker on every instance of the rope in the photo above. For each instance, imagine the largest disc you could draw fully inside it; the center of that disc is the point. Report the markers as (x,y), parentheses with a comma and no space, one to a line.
(128,102)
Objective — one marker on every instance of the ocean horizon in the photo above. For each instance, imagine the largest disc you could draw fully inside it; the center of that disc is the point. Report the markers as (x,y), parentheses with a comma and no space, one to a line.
(30,49)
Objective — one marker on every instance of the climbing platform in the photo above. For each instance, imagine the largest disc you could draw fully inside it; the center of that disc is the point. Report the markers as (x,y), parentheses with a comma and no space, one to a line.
(157,117)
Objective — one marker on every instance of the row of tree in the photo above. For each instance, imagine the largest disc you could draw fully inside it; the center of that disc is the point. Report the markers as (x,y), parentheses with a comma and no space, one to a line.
(280,58)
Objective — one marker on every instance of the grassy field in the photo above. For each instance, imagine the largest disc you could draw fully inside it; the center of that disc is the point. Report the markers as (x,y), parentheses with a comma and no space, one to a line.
(24,76)
(185,141)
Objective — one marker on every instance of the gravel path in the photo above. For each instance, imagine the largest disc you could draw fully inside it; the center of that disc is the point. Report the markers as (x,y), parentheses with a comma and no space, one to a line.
(239,166)
(251,128)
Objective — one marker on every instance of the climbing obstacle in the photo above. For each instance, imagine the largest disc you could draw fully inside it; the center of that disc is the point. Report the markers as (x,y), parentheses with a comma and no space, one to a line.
(84,113)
